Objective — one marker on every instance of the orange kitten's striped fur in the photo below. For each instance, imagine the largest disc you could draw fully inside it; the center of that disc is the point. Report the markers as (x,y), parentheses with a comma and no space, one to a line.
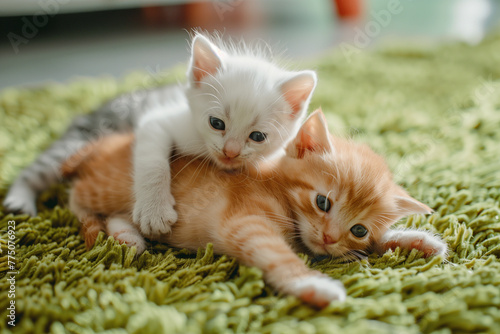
(258,216)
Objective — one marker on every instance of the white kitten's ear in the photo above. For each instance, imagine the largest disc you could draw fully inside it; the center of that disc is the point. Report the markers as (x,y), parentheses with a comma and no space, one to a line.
(297,91)
(407,205)
(205,59)
(313,136)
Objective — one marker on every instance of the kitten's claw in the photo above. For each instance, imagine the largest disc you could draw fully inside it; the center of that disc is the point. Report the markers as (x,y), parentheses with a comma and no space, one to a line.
(155,219)
(318,291)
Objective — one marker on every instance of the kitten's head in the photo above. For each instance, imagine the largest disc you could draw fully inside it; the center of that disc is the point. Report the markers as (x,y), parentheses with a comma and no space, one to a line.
(244,107)
(345,197)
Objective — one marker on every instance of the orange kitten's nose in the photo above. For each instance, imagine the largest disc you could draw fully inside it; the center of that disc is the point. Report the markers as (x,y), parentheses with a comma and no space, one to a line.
(231,148)
(327,239)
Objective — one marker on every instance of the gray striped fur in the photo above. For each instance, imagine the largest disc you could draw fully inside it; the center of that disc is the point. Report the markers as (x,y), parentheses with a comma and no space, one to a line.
(121,114)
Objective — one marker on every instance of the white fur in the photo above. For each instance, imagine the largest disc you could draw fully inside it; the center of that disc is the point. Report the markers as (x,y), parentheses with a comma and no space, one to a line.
(125,232)
(422,240)
(245,91)
(323,289)
(21,198)
(157,134)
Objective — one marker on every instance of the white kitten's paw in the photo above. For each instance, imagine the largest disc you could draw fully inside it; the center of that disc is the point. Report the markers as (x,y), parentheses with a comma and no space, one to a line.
(132,239)
(155,219)
(318,290)
(20,199)
(424,241)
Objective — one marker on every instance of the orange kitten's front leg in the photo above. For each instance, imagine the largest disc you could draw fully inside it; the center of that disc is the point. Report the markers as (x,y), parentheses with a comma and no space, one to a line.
(256,241)
(422,240)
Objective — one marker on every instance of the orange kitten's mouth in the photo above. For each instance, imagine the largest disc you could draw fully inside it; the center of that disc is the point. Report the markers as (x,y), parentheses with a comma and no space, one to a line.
(323,249)
(319,248)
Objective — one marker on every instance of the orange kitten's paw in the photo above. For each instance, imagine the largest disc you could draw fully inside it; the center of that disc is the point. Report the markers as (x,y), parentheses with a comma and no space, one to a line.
(125,232)
(318,291)
(132,239)
(156,218)
(430,246)
(424,241)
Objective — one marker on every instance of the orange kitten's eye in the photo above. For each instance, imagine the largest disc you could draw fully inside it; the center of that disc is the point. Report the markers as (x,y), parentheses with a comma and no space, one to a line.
(323,203)
(359,231)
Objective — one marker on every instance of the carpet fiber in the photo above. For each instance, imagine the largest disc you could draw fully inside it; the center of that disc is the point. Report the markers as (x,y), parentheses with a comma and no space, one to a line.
(434,113)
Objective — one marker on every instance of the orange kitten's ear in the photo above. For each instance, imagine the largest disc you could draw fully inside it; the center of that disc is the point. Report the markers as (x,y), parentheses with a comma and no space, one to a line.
(205,59)
(313,136)
(407,205)
(72,166)
(298,91)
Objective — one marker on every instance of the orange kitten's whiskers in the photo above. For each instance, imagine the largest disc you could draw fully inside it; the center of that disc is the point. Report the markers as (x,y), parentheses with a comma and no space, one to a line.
(358,253)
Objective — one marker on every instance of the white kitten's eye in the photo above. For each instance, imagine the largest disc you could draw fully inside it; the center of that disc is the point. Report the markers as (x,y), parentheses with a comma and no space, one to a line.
(258,136)
(359,231)
(323,203)
(217,123)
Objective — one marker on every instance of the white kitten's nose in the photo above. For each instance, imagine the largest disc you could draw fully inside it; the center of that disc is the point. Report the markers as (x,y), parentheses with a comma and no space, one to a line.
(231,148)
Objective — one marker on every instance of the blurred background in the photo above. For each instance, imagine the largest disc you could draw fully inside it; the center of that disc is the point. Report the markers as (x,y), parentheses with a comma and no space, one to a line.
(58,40)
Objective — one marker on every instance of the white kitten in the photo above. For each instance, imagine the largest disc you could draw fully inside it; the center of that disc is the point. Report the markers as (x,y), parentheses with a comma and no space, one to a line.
(238,108)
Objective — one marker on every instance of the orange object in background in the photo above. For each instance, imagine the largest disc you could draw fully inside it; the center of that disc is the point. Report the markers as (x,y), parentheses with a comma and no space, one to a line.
(206,15)
(349,8)
(236,14)
(160,16)
(219,14)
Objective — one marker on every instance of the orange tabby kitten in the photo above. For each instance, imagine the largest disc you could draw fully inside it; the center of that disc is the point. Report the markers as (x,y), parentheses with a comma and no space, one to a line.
(331,195)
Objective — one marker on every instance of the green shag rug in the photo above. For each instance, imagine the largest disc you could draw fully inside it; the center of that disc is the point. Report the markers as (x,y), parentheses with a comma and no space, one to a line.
(433,112)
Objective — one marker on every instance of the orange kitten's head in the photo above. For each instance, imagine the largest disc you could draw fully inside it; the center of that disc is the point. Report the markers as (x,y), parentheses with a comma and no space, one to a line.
(345,198)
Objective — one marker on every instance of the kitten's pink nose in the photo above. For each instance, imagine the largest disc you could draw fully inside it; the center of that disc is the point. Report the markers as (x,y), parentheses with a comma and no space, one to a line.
(328,240)
(231,148)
